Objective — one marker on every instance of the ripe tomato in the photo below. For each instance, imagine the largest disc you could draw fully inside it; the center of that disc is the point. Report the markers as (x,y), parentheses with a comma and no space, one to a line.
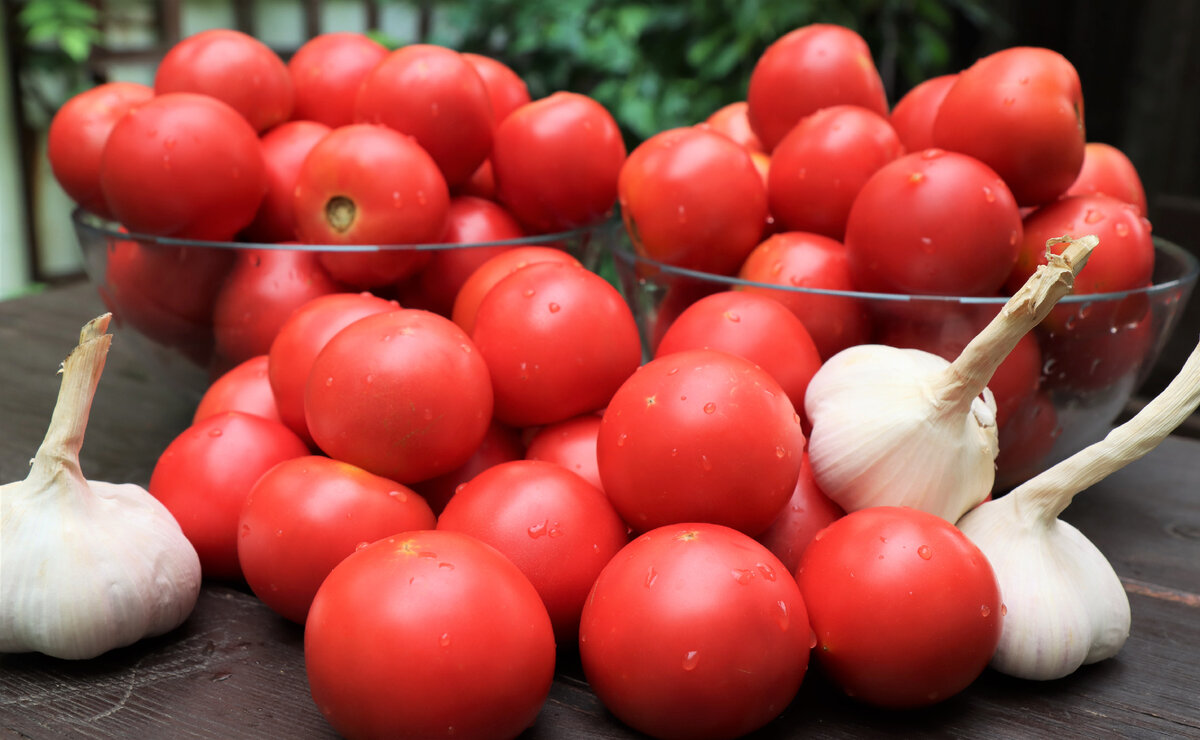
(810,68)
(700,436)
(233,67)
(435,96)
(571,444)
(403,394)
(933,223)
(284,149)
(913,115)
(1020,112)
(245,388)
(305,515)
(808,511)
(556,161)
(695,631)
(495,269)
(557,339)
(326,72)
(1026,441)
(906,609)
(818,168)
(204,475)
(1107,171)
(794,260)
(183,165)
(470,650)
(556,527)
(733,120)
(78,133)
(505,88)
(501,444)
(691,197)
(367,184)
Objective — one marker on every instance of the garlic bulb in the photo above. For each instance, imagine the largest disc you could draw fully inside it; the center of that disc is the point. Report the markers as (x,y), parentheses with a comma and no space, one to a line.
(903,427)
(87,566)
(1065,604)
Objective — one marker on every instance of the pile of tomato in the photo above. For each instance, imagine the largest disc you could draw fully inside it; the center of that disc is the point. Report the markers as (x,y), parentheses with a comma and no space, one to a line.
(452,464)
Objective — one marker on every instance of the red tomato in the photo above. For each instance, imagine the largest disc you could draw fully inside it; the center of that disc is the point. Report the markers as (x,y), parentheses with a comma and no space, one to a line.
(301,337)
(571,444)
(556,162)
(1020,112)
(693,198)
(913,115)
(183,165)
(1026,440)
(481,184)
(403,394)
(500,444)
(78,133)
(233,67)
(434,95)
(906,609)
(1106,347)
(818,168)
(695,631)
(305,515)
(807,69)
(506,90)
(794,260)
(259,294)
(366,184)
(733,120)
(700,436)
(557,339)
(205,474)
(245,388)
(808,511)
(495,269)
(933,223)
(469,649)
(284,149)
(556,527)
(753,326)
(1107,171)
(326,72)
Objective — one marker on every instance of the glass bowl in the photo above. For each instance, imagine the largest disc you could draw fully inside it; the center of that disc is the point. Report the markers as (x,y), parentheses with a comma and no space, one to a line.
(193,309)
(1082,364)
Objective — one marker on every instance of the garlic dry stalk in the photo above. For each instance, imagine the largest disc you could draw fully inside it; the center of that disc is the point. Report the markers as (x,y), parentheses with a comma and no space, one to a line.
(1065,604)
(903,427)
(86,566)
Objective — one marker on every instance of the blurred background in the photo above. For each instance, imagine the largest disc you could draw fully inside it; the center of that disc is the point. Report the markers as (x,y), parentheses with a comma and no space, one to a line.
(655,65)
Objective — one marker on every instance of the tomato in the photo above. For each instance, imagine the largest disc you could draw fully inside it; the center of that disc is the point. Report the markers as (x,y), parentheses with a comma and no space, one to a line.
(753,326)
(434,95)
(233,67)
(205,473)
(469,649)
(77,135)
(700,436)
(495,269)
(558,340)
(695,631)
(505,88)
(808,511)
(301,337)
(906,609)
(259,294)
(810,68)
(913,115)
(556,161)
(367,184)
(693,198)
(183,165)
(284,149)
(733,120)
(933,223)
(1020,112)
(794,260)
(245,388)
(326,72)
(818,168)
(481,184)
(1026,441)
(305,515)
(570,443)
(1104,348)
(1107,170)
(403,394)
(556,527)
(501,444)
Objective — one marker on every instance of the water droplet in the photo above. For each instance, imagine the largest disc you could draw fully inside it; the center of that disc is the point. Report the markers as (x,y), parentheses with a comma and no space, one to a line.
(690,659)
(446,566)
(742,575)
(682,212)
(651,577)
(537,530)
(819,534)
(1009,101)
(1121,229)
(767,571)
(927,245)
(215,432)
(400,496)
(924,552)
(245,530)
(916,178)
(554,530)
(421,199)
(427,414)
(776,268)
(329,381)
(1003,609)
(361,545)
(528,293)
(710,407)
(732,317)
(1093,216)
(989,195)
(812,640)
(621,439)
(985,611)
(369,379)
(279,533)
(554,307)
(705,463)
(444,640)
(672,371)
(780,452)
(683,398)
(783,618)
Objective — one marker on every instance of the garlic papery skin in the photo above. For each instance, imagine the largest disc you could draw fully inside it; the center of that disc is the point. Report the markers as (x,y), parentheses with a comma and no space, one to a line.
(87,566)
(903,427)
(1064,604)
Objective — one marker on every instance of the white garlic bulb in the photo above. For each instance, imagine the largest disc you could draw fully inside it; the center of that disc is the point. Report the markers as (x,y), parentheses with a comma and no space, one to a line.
(87,566)
(903,427)
(1065,606)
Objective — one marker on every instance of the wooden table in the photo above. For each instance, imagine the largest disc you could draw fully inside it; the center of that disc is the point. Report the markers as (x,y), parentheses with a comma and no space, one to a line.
(235,670)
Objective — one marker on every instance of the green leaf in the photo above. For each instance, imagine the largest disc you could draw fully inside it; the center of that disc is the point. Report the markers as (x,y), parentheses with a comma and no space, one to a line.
(76,43)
